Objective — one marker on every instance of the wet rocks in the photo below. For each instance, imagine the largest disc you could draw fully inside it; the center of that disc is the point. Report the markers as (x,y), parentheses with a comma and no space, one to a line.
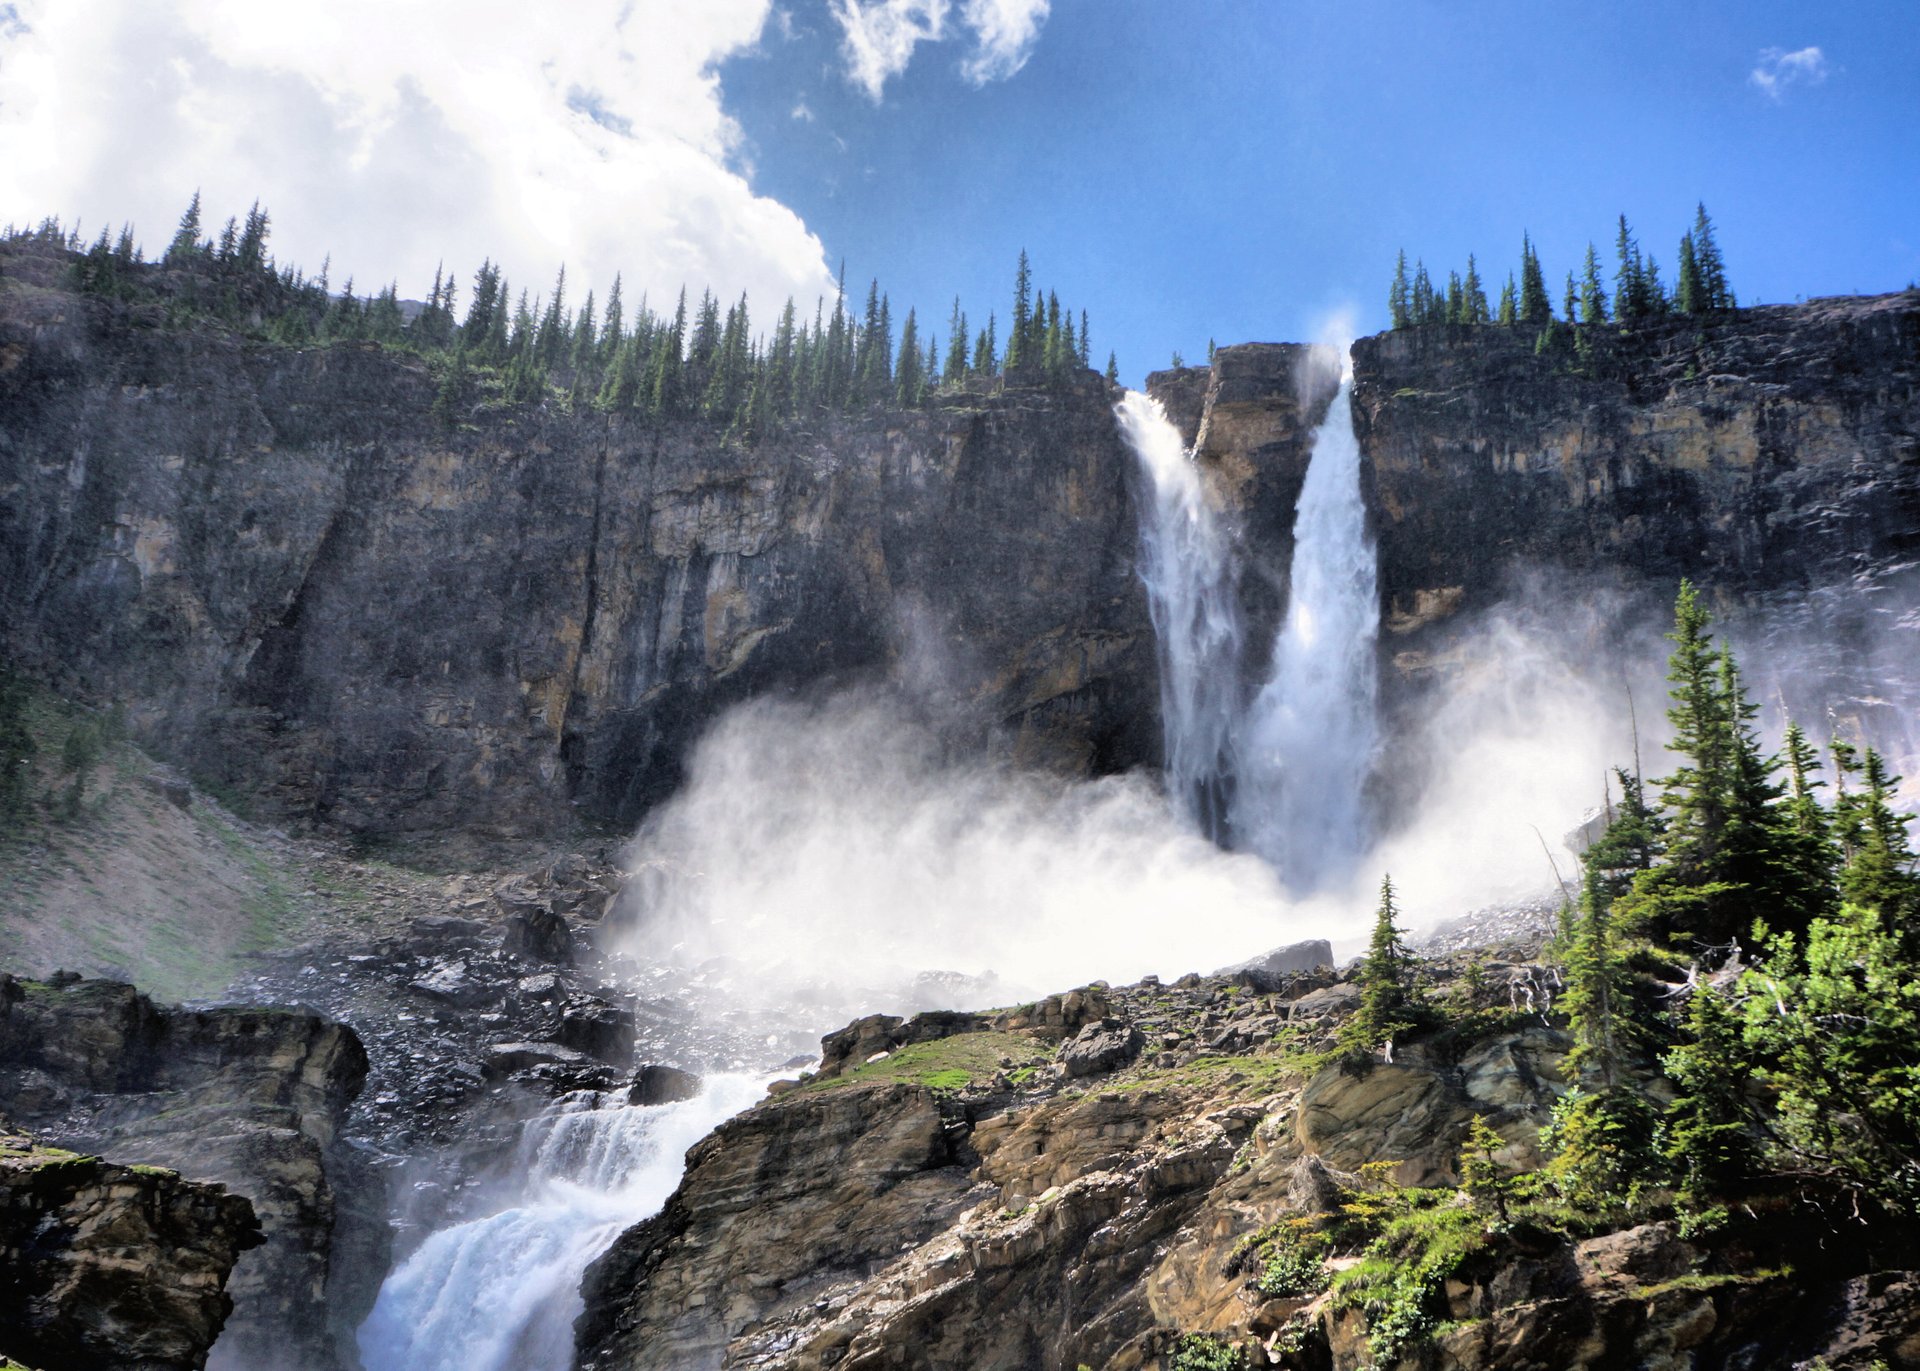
(251,1099)
(663,1085)
(112,1266)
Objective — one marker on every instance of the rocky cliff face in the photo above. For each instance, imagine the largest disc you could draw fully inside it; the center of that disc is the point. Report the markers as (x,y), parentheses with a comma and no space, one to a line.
(1098,1180)
(250,1099)
(105,1265)
(310,590)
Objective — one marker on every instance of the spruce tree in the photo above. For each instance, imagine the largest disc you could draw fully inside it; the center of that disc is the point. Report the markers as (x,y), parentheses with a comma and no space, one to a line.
(1571,302)
(1473,296)
(908,390)
(1629,281)
(186,238)
(1535,307)
(1593,299)
(1708,1137)
(1714,294)
(1688,297)
(1423,297)
(1400,294)
(1113,369)
(1018,331)
(1386,981)
(1509,312)
(955,371)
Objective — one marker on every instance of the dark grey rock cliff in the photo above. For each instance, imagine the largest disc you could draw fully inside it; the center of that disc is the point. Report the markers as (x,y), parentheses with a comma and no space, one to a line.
(252,1099)
(310,591)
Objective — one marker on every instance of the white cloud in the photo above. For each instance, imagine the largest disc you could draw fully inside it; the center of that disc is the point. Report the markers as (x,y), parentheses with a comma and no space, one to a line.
(1779,69)
(1007,31)
(396,136)
(878,36)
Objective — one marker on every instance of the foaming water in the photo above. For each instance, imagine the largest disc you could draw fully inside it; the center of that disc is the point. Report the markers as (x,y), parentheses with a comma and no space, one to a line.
(1192,580)
(503,1291)
(1308,743)
(1283,774)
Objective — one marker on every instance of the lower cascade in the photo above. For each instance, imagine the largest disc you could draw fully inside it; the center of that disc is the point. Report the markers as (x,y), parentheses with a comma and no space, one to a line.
(1282,773)
(503,1291)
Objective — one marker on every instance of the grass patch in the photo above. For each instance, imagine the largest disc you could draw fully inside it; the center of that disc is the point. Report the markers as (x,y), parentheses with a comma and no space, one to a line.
(1697,1283)
(948,1064)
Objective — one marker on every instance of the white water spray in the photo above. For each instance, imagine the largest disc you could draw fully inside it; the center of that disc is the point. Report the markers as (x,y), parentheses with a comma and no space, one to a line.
(1192,582)
(1308,742)
(1284,775)
(503,1291)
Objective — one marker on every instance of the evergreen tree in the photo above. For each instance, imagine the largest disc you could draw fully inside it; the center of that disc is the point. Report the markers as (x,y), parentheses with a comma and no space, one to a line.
(908,385)
(955,371)
(1085,355)
(1456,303)
(664,389)
(1509,303)
(1386,981)
(1535,308)
(1423,297)
(1473,296)
(613,330)
(1878,871)
(1400,294)
(1688,295)
(1629,281)
(186,238)
(1708,1139)
(1018,332)
(1113,369)
(1593,300)
(1714,294)
(1570,303)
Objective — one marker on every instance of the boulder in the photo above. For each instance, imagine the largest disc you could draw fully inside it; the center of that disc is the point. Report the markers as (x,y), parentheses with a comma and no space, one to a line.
(1101,1047)
(663,1085)
(598,1029)
(503,1059)
(450,982)
(538,933)
(1274,970)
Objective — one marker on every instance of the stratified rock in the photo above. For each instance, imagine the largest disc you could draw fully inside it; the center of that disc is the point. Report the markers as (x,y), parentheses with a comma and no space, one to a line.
(538,933)
(599,1029)
(506,1058)
(112,1266)
(250,1099)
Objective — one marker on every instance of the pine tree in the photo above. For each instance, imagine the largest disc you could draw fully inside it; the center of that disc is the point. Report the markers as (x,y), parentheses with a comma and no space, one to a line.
(1386,981)
(1714,294)
(1708,1138)
(186,238)
(1571,301)
(1019,331)
(955,371)
(1593,299)
(1400,294)
(1423,297)
(908,386)
(1535,308)
(1688,296)
(1509,303)
(1113,369)
(1084,357)
(1473,296)
(1456,301)
(1629,281)
(1879,868)
(613,331)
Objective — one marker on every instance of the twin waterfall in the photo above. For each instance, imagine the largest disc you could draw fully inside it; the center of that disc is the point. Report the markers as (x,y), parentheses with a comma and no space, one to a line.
(1281,770)
(1278,770)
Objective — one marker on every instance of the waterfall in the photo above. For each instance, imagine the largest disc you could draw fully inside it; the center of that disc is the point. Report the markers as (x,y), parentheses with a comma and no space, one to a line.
(1192,581)
(1308,742)
(503,1291)
(1282,774)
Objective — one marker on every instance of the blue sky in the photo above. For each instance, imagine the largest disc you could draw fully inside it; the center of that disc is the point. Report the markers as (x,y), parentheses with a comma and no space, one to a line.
(1231,169)
(1241,171)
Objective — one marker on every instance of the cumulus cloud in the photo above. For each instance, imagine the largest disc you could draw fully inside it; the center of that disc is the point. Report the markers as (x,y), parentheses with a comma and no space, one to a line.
(398,136)
(878,37)
(1778,69)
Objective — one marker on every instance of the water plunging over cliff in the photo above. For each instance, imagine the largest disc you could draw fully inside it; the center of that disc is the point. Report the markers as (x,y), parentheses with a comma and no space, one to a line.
(1308,741)
(502,1292)
(1192,581)
(1281,774)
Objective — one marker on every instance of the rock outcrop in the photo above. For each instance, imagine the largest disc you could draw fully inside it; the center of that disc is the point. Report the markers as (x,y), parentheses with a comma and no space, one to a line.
(973,1199)
(111,1266)
(307,587)
(250,1099)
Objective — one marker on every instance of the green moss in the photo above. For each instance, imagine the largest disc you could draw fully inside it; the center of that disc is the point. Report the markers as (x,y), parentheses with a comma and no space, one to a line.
(945,1063)
(1705,1284)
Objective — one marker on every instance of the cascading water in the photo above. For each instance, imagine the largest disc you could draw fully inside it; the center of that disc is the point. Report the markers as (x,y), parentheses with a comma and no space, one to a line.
(503,1291)
(1284,774)
(1192,582)
(1308,741)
